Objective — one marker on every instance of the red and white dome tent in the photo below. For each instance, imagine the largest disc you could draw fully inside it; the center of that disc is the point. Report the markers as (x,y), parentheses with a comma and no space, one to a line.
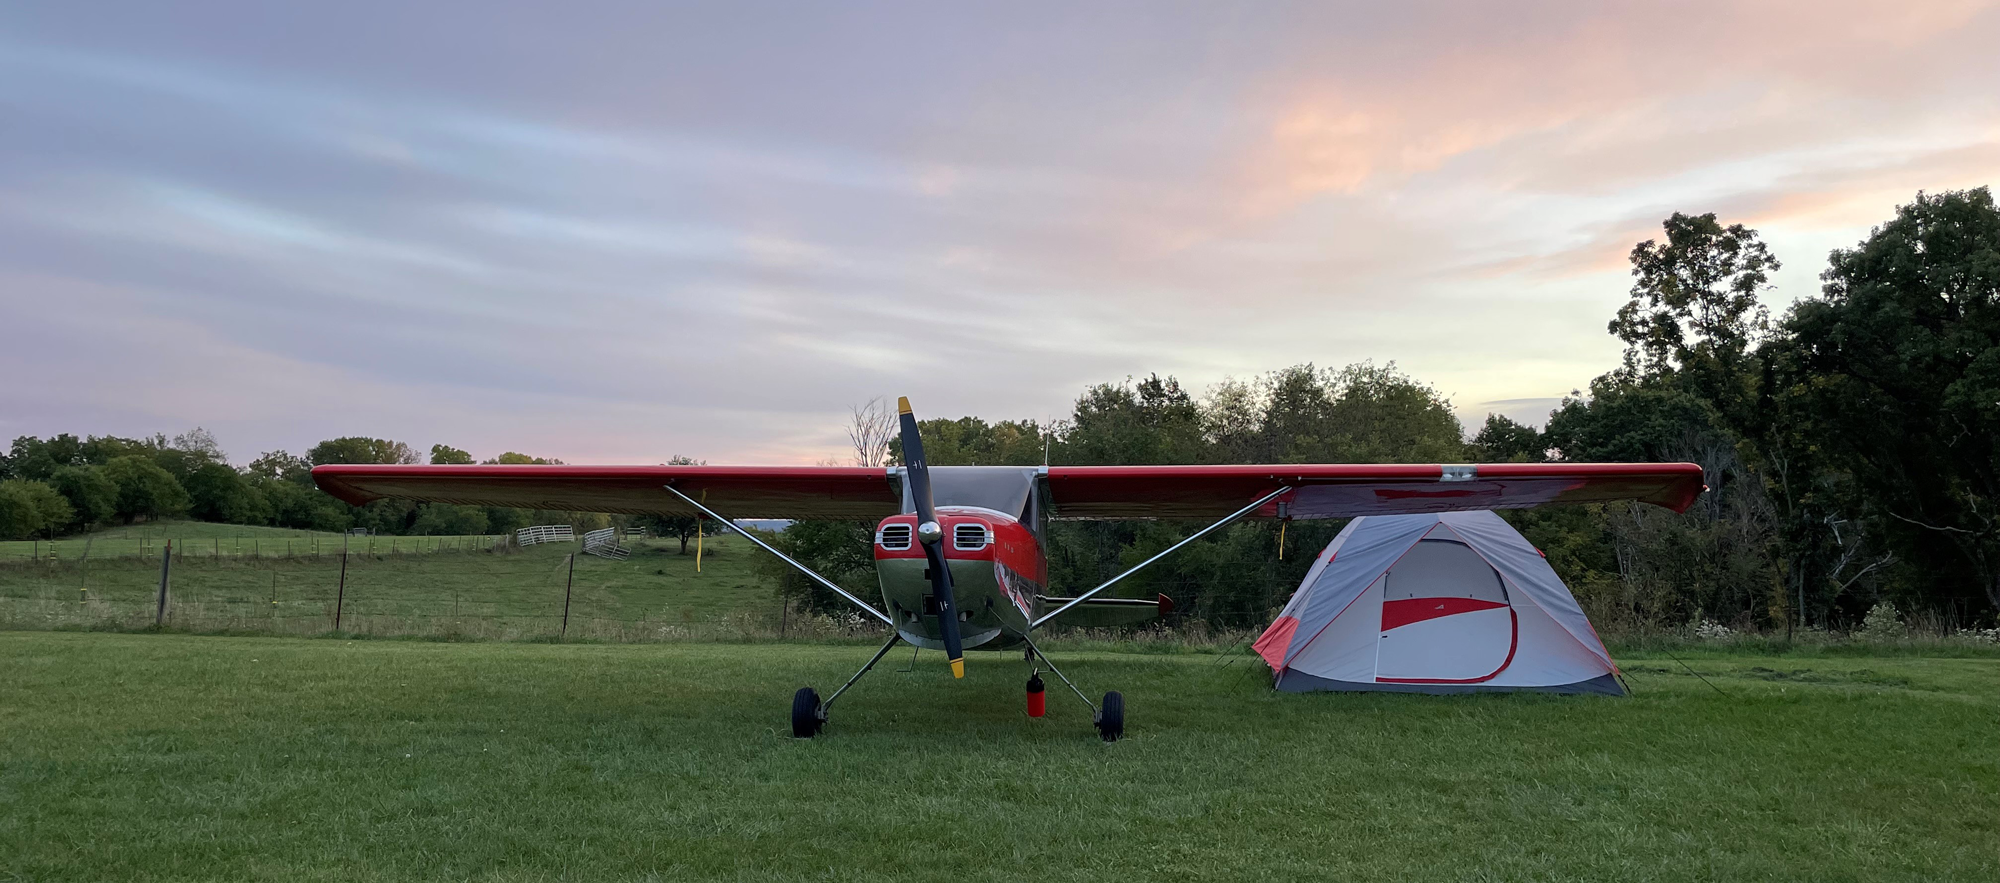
(1447,602)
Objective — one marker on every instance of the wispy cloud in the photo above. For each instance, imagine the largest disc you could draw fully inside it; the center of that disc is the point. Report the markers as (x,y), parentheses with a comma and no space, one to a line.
(610,231)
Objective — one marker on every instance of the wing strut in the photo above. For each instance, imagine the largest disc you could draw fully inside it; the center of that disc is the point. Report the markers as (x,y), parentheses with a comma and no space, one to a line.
(1169,551)
(788,560)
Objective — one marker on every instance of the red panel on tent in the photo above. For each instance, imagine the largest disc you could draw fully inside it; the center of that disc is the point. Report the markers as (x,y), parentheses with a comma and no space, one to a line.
(1408,610)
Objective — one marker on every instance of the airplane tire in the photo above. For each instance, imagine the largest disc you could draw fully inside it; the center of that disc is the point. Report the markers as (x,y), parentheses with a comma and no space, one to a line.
(806,722)
(1111,718)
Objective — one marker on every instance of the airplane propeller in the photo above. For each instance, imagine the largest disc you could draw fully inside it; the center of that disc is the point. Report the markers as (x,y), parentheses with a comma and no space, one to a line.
(931,534)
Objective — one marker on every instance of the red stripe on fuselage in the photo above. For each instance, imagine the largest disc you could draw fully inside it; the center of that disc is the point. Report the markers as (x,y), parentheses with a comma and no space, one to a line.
(1012,544)
(1396,614)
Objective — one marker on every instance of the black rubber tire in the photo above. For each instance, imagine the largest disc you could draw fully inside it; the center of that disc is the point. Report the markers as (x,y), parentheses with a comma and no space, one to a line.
(1111,717)
(806,722)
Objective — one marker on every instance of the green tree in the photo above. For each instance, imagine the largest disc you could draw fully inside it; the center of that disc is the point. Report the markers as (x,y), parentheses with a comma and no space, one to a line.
(34,459)
(356,449)
(303,507)
(99,450)
(1381,415)
(1151,422)
(31,508)
(144,489)
(1627,422)
(221,494)
(446,455)
(684,527)
(185,454)
(1362,413)
(1694,309)
(1502,440)
(842,551)
(281,466)
(443,519)
(971,441)
(92,497)
(1899,361)
(513,459)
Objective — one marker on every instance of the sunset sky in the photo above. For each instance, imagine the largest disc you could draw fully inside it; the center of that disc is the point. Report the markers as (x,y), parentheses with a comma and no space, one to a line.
(617,231)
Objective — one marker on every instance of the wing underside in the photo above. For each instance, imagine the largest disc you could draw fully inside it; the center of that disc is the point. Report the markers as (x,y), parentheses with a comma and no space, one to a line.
(1345,490)
(1073,492)
(819,492)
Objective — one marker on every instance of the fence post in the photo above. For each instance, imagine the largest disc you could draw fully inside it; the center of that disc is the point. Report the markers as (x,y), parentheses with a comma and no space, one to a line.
(567,585)
(340,595)
(166,569)
(83,571)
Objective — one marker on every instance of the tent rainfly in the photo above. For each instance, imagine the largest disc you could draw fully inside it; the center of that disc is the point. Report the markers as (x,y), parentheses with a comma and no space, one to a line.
(1449,602)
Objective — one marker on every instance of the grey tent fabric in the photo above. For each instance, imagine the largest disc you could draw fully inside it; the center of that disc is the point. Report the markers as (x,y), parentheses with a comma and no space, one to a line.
(1437,603)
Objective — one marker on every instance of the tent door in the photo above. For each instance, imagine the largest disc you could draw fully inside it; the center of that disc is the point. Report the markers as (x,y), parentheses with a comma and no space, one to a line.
(1446,618)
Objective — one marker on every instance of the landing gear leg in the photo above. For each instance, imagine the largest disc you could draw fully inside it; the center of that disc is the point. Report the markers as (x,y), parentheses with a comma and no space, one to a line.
(809,713)
(1109,719)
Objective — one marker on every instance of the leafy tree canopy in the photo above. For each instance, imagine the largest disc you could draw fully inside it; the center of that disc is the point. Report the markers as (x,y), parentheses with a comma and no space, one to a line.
(1502,440)
(513,459)
(446,455)
(92,497)
(1900,357)
(971,441)
(31,508)
(144,489)
(356,449)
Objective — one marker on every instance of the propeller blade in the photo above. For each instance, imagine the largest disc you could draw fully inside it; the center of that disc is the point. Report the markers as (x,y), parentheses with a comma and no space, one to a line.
(931,534)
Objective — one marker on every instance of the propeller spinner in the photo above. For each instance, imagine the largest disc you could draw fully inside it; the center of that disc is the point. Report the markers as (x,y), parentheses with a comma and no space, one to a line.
(931,535)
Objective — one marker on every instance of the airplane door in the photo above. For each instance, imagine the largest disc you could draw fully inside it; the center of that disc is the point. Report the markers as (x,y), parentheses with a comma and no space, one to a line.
(1446,618)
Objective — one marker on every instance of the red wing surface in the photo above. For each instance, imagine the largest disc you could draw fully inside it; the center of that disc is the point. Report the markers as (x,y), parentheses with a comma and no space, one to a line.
(1343,490)
(739,491)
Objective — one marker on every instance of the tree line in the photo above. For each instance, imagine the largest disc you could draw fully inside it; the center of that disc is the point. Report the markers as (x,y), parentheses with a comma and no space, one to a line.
(1848,445)
(62,484)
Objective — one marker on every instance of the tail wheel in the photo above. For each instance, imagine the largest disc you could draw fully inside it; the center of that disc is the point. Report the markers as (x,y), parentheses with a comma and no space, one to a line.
(1111,717)
(806,718)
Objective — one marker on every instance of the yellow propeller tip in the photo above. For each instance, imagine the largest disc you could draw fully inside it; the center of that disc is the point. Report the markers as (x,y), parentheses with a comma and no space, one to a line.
(958,668)
(902,404)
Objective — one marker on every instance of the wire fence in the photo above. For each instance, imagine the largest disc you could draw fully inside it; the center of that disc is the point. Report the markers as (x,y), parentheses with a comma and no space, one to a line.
(274,544)
(464,589)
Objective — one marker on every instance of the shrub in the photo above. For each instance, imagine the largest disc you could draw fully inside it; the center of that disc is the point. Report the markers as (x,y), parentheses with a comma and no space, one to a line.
(1883,622)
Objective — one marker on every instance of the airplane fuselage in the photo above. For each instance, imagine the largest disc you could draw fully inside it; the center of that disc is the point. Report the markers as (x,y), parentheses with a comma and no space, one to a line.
(998,574)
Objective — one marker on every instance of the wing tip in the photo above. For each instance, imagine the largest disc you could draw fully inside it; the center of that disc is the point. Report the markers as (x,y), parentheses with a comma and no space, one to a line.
(327,479)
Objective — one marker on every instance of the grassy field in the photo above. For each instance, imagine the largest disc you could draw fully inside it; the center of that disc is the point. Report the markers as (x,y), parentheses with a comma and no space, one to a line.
(203,539)
(164,757)
(656,594)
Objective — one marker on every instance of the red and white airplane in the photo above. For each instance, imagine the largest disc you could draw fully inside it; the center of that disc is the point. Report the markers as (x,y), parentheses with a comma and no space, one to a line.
(959,549)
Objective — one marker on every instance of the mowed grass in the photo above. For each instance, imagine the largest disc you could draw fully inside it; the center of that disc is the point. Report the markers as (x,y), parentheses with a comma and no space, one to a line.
(166,757)
(656,593)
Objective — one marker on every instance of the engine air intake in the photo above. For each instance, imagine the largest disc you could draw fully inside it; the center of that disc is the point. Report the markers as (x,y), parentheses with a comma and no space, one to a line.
(969,537)
(894,536)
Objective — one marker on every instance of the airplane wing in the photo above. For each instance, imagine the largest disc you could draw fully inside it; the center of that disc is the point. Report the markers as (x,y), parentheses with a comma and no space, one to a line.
(824,492)
(1075,492)
(1344,490)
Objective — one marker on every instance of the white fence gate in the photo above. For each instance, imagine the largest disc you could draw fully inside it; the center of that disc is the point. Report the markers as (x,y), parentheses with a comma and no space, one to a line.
(604,544)
(545,533)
